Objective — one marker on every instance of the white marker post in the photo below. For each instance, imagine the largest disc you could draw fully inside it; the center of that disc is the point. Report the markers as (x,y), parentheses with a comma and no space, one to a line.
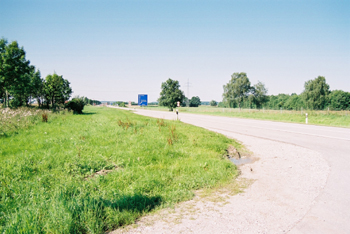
(177,111)
(306,120)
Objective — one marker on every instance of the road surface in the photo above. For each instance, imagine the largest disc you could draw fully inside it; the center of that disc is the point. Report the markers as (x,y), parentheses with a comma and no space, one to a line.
(325,207)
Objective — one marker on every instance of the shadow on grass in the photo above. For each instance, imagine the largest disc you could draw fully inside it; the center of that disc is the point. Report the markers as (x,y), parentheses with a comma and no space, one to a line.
(137,202)
(110,214)
(80,214)
(89,113)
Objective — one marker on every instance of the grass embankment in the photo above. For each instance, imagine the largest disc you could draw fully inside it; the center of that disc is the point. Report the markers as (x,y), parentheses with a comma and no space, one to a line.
(327,118)
(95,172)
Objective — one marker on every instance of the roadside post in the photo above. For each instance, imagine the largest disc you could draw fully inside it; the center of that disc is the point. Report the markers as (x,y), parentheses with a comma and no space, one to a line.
(177,111)
(306,120)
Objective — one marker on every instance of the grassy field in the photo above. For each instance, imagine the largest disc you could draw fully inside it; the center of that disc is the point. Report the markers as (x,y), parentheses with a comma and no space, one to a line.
(95,172)
(327,118)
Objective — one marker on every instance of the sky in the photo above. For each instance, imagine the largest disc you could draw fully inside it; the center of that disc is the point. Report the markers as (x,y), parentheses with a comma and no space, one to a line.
(115,50)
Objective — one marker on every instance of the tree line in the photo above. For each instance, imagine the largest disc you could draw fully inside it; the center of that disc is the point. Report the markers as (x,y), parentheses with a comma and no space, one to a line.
(21,82)
(316,95)
(88,101)
(240,93)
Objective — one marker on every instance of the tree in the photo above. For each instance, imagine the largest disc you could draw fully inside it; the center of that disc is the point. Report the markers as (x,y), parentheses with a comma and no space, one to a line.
(259,94)
(185,102)
(14,73)
(36,86)
(294,102)
(3,43)
(213,103)
(56,90)
(339,100)
(316,93)
(195,101)
(170,94)
(251,100)
(237,88)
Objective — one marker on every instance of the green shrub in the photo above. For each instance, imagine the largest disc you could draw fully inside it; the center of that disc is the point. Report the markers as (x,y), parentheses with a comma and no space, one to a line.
(213,103)
(76,105)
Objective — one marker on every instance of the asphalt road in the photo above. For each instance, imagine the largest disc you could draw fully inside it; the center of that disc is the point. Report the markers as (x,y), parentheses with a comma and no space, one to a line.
(330,212)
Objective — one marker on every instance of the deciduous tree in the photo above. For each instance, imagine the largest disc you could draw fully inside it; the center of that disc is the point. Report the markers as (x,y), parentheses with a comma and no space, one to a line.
(316,93)
(170,94)
(259,92)
(14,72)
(213,103)
(56,90)
(195,101)
(339,100)
(237,88)
(37,85)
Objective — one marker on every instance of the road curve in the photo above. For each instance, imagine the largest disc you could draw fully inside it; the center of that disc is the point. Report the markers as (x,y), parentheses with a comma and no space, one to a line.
(329,212)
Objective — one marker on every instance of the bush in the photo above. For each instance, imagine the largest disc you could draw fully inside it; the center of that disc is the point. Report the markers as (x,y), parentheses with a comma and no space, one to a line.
(195,101)
(76,105)
(339,100)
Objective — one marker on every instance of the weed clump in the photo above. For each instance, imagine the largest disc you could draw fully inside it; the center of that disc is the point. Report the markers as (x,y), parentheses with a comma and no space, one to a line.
(44,117)
(172,132)
(125,125)
(173,136)
(160,123)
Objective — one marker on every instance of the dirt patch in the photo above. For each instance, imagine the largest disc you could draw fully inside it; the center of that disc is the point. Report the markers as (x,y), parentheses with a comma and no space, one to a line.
(239,158)
(232,152)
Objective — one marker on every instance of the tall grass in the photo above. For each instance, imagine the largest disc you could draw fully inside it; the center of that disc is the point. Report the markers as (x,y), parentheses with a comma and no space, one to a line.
(95,172)
(14,120)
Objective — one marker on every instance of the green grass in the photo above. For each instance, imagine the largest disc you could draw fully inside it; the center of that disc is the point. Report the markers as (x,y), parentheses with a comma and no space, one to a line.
(327,118)
(49,181)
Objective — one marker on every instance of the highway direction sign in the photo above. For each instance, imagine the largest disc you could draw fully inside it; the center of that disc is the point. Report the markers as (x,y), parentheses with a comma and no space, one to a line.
(143,100)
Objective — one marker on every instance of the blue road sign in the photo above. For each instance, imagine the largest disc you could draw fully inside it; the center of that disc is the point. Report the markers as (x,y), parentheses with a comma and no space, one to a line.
(143,100)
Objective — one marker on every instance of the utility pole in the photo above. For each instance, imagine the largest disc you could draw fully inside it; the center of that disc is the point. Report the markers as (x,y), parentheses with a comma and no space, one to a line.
(188,84)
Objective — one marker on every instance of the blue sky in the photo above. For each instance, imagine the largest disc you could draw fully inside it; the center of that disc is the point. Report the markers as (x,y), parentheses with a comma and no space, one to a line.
(114,50)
